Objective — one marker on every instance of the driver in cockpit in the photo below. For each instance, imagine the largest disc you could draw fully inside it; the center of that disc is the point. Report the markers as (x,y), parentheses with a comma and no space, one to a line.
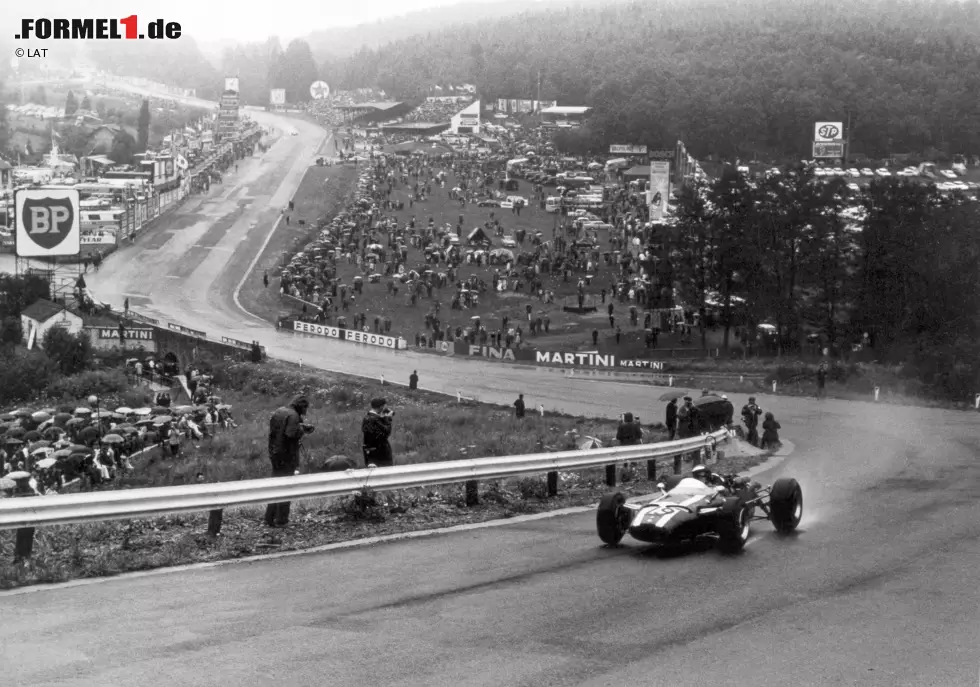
(706,476)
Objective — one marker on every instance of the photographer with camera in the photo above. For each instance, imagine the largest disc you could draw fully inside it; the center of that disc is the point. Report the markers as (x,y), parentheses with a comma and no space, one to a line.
(376,428)
(287,427)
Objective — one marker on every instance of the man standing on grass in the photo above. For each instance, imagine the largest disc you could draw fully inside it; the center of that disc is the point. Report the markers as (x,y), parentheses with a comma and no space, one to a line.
(286,430)
(376,429)
(519,407)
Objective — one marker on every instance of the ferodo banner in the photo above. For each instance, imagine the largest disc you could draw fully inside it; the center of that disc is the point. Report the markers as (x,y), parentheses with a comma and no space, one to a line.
(347,334)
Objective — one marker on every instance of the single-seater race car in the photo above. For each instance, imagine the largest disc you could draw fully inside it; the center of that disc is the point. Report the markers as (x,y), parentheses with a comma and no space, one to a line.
(687,508)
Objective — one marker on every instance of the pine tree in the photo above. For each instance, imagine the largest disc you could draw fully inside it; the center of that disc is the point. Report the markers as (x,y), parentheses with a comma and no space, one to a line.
(71,104)
(143,127)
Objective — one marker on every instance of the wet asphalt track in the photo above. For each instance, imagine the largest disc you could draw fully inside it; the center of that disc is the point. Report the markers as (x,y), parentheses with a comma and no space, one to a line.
(878,588)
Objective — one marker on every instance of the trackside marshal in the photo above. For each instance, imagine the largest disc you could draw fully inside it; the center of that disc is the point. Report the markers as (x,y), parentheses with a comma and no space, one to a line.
(48,222)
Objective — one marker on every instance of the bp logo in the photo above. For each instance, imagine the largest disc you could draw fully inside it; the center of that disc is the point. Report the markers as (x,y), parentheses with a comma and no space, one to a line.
(47,222)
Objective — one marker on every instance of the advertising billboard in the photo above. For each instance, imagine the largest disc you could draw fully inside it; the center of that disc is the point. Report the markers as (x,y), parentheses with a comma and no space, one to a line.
(48,222)
(319,90)
(231,83)
(277,96)
(659,191)
(828,132)
(501,104)
(526,105)
(833,150)
(627,150)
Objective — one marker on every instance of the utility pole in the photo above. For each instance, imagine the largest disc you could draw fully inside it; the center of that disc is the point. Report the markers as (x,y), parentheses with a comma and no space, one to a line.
(539,89)
(847,139)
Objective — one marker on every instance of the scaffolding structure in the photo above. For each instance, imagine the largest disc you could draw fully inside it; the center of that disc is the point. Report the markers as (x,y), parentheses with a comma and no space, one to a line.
(62,278)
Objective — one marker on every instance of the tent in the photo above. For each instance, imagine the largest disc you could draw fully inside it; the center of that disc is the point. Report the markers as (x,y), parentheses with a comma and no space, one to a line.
(478,236)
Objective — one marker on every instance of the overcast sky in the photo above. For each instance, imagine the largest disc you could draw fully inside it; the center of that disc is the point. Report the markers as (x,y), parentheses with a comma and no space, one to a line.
(209,20)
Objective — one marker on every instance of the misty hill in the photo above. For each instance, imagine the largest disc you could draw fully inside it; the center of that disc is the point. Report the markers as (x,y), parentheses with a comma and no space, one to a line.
(345,40)
(729,78)
(177,63)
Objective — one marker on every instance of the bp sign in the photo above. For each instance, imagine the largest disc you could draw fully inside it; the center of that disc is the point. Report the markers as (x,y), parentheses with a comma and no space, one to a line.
(48,222)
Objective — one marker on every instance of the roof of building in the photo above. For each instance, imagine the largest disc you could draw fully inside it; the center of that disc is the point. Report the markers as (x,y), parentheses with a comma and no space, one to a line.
(638,171)
(42,310)
(565,110)
(380,105)
(413,125)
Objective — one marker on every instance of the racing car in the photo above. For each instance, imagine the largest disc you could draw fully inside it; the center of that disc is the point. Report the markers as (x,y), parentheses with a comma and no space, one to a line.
(722,506)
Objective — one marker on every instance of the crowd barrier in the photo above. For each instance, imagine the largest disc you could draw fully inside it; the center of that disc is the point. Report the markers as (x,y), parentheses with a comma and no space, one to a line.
(25,514)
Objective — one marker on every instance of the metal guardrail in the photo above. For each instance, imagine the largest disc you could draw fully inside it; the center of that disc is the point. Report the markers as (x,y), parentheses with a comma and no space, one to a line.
(71,509)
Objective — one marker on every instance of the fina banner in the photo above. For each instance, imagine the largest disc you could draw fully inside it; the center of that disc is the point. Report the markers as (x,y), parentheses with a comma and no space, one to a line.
(231,83)
(659,191)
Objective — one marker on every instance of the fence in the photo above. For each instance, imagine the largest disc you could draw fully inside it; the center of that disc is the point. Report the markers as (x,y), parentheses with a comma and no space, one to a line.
(25,514)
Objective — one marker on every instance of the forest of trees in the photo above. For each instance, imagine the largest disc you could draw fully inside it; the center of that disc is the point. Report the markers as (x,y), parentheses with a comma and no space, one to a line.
(264,66)
(743,79)
(786,251)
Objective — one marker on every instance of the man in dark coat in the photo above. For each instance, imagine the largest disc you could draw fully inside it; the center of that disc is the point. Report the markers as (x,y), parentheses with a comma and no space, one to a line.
(629,433)
(413,380)
(750,416)
(729,419)
(519,406)
(376,429)
(286,430)
(672,418)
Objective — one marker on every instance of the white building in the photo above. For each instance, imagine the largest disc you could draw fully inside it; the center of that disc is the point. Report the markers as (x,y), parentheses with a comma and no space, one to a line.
(42,315)
(467,120)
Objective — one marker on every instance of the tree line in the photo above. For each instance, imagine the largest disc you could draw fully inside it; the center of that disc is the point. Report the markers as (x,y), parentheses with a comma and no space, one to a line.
(745,79)
(897,262)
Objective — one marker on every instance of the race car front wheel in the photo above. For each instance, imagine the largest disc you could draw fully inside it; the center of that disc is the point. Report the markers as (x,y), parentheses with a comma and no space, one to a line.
(611,518)
(786,504)
(733,531)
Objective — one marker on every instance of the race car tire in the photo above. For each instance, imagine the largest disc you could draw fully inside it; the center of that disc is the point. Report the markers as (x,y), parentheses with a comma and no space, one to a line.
(733,530)
(746,495)
(672,482)
(610,520)
(786,504)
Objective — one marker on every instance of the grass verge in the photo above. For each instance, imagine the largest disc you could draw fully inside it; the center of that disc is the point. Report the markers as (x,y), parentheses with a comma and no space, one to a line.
(428,427)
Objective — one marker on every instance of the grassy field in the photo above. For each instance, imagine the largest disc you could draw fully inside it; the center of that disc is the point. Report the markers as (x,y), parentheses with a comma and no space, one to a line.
(428,427)
(321,194)
(568,330)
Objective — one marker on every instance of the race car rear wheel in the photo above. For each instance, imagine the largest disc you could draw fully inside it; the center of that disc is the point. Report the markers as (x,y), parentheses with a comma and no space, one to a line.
(733,531)
(786,504)
(612,518)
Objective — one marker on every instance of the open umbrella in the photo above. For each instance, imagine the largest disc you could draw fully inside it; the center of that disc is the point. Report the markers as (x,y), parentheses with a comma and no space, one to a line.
(79,448)
(62,418)
(21,412)
(83,411)
(672,394)
(142,411)
(40,416)
(159,410)
(89,434)
(74,422)
(589,443)
(162,419)
(145,421)
(124,410)
(183,409)
(12,442)
(40,450)
(112,439)
(40,444)
(33,435)
(708,400)
(8,417)
(45,463)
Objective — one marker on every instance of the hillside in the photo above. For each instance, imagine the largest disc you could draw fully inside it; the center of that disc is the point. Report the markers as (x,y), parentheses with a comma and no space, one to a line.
(342,41)
(730,79)
(177,63)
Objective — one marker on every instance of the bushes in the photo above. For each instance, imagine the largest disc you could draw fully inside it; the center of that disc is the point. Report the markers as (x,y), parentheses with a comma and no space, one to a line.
(24,375)
(72,352)
(98,382)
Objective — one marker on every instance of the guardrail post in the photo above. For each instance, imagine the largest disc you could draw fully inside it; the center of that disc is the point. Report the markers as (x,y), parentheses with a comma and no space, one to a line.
(24,542)
(678,460)
(215,518)
(610,475)
(652,470)
(473,493)
(552,484)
